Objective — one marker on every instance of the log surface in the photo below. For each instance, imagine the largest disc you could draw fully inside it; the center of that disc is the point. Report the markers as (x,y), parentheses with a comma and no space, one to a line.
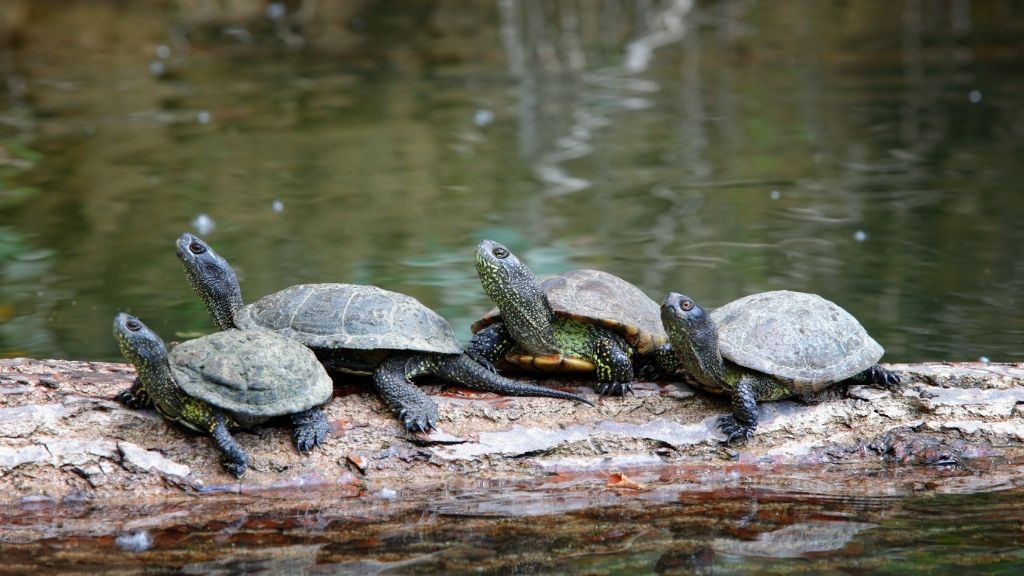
(63,437)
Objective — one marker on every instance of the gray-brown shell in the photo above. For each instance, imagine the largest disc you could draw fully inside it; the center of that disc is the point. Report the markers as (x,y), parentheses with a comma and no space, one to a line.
(601,298)
(795,336)
(350,316)
(251,372)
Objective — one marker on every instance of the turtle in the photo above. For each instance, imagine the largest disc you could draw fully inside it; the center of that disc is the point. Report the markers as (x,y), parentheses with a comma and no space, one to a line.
(226,380)
(576,321)
(354,329)
(769,346)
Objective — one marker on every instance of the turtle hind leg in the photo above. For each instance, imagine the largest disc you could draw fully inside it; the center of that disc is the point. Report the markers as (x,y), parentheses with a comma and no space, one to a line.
(490,345)
(135,397)
(740,425)
(613,365)
(878,376)
(235,460)
(462,369)
(311,429)
(413,407)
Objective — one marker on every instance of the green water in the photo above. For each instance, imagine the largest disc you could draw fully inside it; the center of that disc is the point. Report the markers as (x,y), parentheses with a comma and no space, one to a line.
(826,147)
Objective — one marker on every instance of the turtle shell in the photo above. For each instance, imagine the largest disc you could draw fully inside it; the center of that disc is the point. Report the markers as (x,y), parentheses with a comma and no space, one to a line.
(251,372)
(604,299)
(350,317)
(795,336)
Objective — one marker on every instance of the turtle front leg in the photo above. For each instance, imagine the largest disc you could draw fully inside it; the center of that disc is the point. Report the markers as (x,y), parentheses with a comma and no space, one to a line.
(236,461)
(490,345)
(660,364)
(413,407)
(878,376)
(135,397)
(740,426)
(311,429)
(614,367)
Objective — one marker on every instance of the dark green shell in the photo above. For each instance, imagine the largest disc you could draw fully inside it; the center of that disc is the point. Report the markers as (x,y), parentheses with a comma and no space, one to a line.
(350,317)
(251,372)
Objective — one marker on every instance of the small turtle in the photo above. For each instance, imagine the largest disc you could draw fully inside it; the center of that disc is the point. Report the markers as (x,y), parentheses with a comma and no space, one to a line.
(770,346)
(576,321)
(354,329)
(232,379)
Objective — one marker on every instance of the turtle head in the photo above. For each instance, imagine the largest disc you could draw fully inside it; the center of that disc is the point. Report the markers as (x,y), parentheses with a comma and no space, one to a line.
(693,335)
(516,292)
(139,345)
(212,278)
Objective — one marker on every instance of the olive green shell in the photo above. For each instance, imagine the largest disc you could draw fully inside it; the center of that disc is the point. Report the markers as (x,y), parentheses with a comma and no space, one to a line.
(352,317)
(795,336)
(604,299)
(251,372)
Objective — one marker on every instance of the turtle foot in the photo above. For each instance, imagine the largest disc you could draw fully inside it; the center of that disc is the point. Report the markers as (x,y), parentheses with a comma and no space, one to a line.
(650,372)
(134,398)
(237,466)
(881,377)
(418,417)
(481,360)
(735,433)
(613,388)
(311,429)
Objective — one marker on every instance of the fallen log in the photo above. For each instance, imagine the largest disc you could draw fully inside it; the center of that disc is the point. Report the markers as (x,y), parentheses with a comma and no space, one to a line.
(63,437)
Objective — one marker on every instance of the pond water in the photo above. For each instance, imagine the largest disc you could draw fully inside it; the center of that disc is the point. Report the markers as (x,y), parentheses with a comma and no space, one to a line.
(865,152)
(682,521)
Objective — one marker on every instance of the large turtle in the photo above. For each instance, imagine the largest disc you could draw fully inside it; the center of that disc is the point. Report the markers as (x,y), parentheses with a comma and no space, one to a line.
(769,346)
(354,329)
(576,321)
(231,379)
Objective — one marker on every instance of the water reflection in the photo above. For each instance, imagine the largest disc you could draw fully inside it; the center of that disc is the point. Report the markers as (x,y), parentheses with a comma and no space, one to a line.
(866,153)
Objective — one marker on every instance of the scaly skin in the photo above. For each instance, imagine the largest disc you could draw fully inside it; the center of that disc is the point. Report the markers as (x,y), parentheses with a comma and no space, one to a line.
(146,351)
(212,278)
(531,326)
(693,337)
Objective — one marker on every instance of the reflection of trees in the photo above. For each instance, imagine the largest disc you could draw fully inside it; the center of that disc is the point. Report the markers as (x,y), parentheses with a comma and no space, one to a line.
(643,138)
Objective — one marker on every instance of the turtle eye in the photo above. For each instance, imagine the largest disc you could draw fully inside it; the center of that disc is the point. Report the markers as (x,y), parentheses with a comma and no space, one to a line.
(500,253)
(686,305)
(133,325)
(196,248)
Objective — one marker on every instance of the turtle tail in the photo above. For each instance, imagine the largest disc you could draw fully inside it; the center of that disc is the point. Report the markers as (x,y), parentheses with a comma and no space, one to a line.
(463,370)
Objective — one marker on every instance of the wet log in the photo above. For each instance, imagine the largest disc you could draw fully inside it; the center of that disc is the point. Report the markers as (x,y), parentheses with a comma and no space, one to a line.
(63,437)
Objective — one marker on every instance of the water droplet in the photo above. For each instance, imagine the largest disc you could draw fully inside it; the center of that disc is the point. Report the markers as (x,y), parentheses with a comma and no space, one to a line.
(483,117)
(388,493)
(204,224)
(135,541)
(775,195)
(277,206)
(984,360)
(276,10)
(974,96)
(860,236)
(203,117)
(163,51)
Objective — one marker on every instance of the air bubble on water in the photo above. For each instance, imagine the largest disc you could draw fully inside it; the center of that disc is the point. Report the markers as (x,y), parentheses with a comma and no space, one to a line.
(277,206)
(204,224)
(203,117)
(163,51)
(135,542)
(276,10)
(860,236)
(775,195)
(984,360)
(483,117)
(974,96)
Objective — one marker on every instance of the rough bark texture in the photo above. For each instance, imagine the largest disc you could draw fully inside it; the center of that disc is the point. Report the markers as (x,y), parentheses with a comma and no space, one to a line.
(62,436)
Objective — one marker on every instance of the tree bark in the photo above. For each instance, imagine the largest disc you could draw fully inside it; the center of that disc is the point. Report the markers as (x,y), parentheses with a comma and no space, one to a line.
(63,436)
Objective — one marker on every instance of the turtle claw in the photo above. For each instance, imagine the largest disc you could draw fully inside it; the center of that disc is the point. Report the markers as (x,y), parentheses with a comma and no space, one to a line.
(419,418)
(237,468)
(734,431)
(134,399)
(481,360)
(613,388)
(311,429)
(882,377)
